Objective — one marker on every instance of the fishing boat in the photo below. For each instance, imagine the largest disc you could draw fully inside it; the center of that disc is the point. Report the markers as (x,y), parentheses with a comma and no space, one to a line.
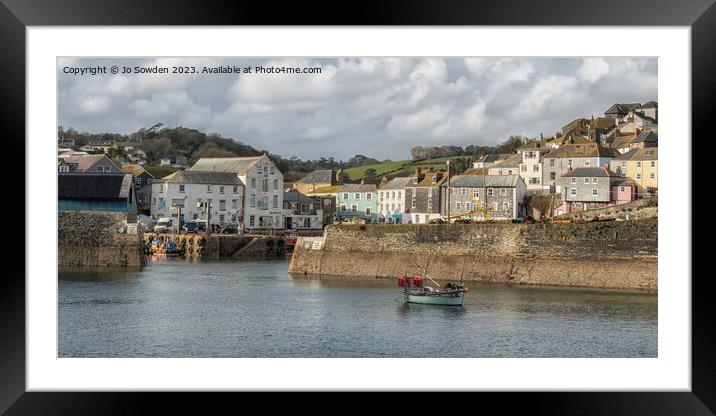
(415,291)
(165,248)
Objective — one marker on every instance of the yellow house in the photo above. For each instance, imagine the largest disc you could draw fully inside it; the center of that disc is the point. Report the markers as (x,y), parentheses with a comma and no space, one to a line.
(641,166)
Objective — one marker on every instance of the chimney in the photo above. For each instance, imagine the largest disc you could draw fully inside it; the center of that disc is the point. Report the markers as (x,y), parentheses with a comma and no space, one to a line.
(430,169)
(339,176)
(362,181)
(417,171)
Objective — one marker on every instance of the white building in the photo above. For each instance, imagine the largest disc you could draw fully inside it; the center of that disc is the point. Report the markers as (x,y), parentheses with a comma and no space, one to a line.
(391,201)
(263,202)
(531,165)
(224,191)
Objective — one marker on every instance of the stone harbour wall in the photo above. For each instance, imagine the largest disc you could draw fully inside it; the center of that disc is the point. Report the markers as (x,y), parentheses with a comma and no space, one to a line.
(620,255)
(91,239)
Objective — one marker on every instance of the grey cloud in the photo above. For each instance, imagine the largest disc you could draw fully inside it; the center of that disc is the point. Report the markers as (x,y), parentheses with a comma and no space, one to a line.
(376,106)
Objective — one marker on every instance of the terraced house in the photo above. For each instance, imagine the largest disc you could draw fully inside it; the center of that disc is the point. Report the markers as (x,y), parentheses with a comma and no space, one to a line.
(263,199)
(588,188)
(560,161)
(391,201)
(423,196)
(642,167)
(531,165)
(301,212)
(357,201)
(499,197)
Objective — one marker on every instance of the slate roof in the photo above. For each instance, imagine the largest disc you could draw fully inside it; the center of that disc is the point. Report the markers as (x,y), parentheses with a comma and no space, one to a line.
(356,187)
(319,176)
(622,108)
(398,183)
(622,141)
(647,153)
(493,157)
(646,136)
(602,123)
(533,145)
(481,181)
(93,186)
(136,170)
(590,172)
(84,162)
(513,161)
(213,178)
(299,197)
(650,104)
(581,150)
(237,165)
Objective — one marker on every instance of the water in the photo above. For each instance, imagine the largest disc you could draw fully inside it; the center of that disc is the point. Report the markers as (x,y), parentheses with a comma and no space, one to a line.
(176,308)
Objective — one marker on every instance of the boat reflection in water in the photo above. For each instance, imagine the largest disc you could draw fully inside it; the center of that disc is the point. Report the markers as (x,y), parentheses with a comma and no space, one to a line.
(415,291)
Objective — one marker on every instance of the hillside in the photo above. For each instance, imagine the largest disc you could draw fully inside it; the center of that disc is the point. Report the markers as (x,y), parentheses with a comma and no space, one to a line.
(402,168)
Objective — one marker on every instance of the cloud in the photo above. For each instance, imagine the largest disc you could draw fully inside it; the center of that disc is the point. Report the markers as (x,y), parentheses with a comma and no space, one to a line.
(375,106)
(592,69)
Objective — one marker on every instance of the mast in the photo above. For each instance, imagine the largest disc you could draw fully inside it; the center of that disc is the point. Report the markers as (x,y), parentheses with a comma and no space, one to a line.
(448,190)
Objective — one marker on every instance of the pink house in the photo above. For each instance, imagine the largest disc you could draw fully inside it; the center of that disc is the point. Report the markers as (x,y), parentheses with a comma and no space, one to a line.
(623,192)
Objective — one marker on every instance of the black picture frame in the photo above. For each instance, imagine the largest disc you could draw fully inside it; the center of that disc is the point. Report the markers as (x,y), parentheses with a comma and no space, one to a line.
(16,15)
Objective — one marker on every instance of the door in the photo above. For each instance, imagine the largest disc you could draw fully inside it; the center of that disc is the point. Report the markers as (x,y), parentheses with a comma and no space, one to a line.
(288,222)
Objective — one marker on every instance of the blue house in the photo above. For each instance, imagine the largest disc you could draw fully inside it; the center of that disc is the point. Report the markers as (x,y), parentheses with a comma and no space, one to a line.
(110,192)
(357,201)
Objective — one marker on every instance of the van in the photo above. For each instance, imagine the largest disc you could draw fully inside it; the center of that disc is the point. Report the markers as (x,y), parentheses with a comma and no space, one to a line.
(163,225)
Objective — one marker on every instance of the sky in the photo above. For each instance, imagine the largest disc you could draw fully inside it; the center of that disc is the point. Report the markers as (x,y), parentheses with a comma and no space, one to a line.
(378,107)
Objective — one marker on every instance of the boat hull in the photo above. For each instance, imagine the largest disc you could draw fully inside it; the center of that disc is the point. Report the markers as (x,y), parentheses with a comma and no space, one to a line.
(453,299)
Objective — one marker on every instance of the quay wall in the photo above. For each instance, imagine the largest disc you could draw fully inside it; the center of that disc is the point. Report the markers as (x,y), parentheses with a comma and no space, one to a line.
(92,238)
(620,255)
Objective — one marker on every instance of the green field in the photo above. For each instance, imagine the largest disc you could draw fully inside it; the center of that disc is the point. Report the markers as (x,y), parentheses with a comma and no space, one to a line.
(400,167)
(160,171)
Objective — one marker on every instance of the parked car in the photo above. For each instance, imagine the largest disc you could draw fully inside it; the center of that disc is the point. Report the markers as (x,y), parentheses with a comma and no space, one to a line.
(194,226)
(231,228)
(164,225)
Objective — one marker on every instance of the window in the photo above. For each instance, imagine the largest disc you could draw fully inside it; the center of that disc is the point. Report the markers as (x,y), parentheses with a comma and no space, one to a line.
(221,217)
(398,207)
(551,163)
(652,176)
(621,189)
(586,181)
(535,168)
(274,202)
(208,188)
(468,206)
(265,185)
(357,196)
(381,196)
(369,196)
(594,192)
(653,163)
(458,206)
(161,188)
(221,189)
(354,208)
(253,183)
(264,201)
(595,180)
(272,170)
(414,203)
(476,193)
(505,206)
(367,211)
(222,205)
(265,170)
(489,191)
(587,162)
(578,205)
(573,191)
(399,195)
(392,207)
(252,200)
(345,196)
(275,184)
(393,194)
(234,204)
(574,181)
(552,176)
(524,168)
(380,207)
(503,191)
(154,201)
(236,189)
(252,220)
(638,164)
(426,219)
(638,175)
(343,207)
(195,216)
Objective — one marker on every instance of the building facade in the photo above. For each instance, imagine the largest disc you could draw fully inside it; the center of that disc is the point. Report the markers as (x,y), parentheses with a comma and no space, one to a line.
(328,196)
(179,195)
(301,212)
(499,197)
(641,166)
(263,197)
(318,179)
(357,201)
(423,195)
(97,192)
(391,201)
(588,188)
(572,156)
(530,168)
(87,164)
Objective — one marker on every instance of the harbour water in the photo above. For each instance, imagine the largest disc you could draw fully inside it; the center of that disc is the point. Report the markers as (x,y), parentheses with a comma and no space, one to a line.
(177,308)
